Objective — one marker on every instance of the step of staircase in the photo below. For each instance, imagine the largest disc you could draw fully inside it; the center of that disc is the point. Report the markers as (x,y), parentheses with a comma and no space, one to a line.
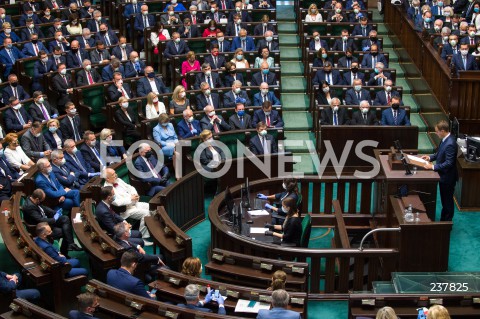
(297,141)
(291,68)
(289,40)
(293,84)
(297,121)
(295,102)
(287,28)
(290,54)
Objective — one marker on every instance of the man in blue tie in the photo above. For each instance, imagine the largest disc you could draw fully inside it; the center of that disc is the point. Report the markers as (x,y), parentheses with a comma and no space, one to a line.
(446,167)
(9,56)
(91,151)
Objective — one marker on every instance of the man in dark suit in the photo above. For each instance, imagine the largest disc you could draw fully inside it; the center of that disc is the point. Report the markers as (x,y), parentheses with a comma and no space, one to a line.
(72,9)
(263,75)
(76,55)
(260,29)
(122,50)
(213,122)
(363,29)
(111,69)
(41,110)
(14,89)
(267,115)
(95,23)
(263,143)
(107,218)
(132,8)
(34,144)
(86,40)
(373,39)
(189,126)
(4,17)
(347,60)
(46,180)
(223,45)
(87,75)
(268,42)
(370,59)
(87,305)
(30,30)
(64,175)
(234,27)
(240,120)
(70,125)
(451,48)
(100,54)
(425,23)
(175,47)
(134,67)
(316,43)
(230,98)
(43,65)
(62,83)
(192,296)
(143,21)
(91,151)
(265,95)
(356,94)
(10,286)
(464,61)
(75,163)
(225,4)
(280,300)
(334,115)
(9,55)
(446,167)
(212,78)
(43,231)
(207,97)
(106,36)
(30,15)
(442,40)
(215,59)
(16,117)
(378,77)
(194,16)
(60,41)
(32,48)
(337,15)
(232,75)
(364,116)
(246,17)
(118,88)
(467,11)
(344,43)
(328,75)
(395,115)
(146,164)
(123,279)
(385,96)
(8,175)
(57,26)
(187,30)
(34,213)
(353,74)
(243,41)
(58,57)
(150,83)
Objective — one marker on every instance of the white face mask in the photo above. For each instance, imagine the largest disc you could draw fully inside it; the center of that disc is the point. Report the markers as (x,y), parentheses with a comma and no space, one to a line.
(335,108)
(237,90)
(73,111)
(364,111)
(284,186)
(63,72)
(326,90)
(285,209)
(17,107)
(464,52)
(212,113)
(388,88)
(262,132)
(264,91)
(190,119)
(125,105)
(181,95)
(155,100)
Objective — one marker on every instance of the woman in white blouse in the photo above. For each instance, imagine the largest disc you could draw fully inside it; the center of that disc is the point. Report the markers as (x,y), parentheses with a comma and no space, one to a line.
(159,34)
(313,15)
(154,107)
(74,27)
(239,59)
(15,155)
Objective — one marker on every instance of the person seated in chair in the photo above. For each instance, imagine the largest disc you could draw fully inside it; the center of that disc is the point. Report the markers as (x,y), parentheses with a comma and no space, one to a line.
(290,232)
(212,155)
(240,120)
(334,115)
(395,115)
(267,115)
(280,300)
(146,165)
(12,283)
(63,174)
(356,94)
(364,116)
(378,77)
(87,305)
(290,190)
(192,296)
(43,231)
(263,143)
(189,126)
(265,96)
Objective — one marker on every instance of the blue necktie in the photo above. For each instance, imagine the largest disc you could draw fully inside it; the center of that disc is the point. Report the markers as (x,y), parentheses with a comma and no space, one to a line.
(335,121)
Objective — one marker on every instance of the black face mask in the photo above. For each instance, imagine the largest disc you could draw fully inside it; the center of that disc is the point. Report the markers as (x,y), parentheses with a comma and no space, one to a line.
(395,106)
(354,70)
(374,53)
(34,41)
(373,39)
(232,71)
(327,71)
(14,84)
(103,31)
(74,50)
(349,57)
(148,154)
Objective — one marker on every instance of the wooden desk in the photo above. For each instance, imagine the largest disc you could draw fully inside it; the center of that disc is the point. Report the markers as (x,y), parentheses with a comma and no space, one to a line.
(466,192)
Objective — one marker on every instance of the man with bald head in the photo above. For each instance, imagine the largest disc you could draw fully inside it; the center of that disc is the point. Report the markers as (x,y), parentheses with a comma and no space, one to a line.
(264,75)
(150,83)
(134,67)
(143,21)
(189,126)
(126,195)
(76,55)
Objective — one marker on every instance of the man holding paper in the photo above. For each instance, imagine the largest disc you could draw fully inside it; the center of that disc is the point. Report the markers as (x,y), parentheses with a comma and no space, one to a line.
(446,167)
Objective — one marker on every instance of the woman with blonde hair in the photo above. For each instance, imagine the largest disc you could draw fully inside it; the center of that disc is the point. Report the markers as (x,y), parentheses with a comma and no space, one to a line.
(54,136)
(154,107)
(189,65)
(313,15)
(386,313)
(15,155)
(438,312)
(8,33)
(164,134)
(239,59)
(106,137)
(279,279)
(192,266)
(179,101)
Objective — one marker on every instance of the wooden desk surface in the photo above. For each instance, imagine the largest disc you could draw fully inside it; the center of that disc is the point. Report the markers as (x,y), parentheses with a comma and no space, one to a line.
(394,175)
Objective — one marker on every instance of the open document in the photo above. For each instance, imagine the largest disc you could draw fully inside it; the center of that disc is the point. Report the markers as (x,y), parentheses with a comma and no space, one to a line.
(250,306)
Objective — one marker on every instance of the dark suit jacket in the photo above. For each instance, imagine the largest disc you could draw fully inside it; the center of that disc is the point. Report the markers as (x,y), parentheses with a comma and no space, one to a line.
(11,120)
(198,307)
(379,82)
(347,78)
(402,118)
(82,78)
(226,45)
(170,49)
(93,26)
(206,125)
(6,179)
(231,32)
(323,44)
(258,99)
(448,50)
(139,25)
(207,156)
(52,192)
(246,17)
(274,46)
(235,123)
(144,87)
(338,45)
(199,17)
(37,114)
(202,101)
(61,87)
(123,280)
(39,69)
(90,157)
(72,59)
(352,99)
(75,314)
(111,36)
(381,98)
(327,116)
(367,43)
(8,92)
(117,52)
(229,79)
(220,61)
(51,141)
(131,72)
(81,174)
(67,128)
(193,33)
(344,63)
(183,130)
(107,73)
(33,146)
(54,43)
(257,79)
(200,77)
(50,250)
(357,119)
(141,166)
(51,31)
(25,33)
(359,31)
(457,60)
(114,94)
(237,43)
(129,126)
(320,76)
(446,161)
(106,218)
(275,119)
(229,99)
(140,257)
(256,146)
(367,61)
(64,177)
(82,41)
(259,28)
(28,49)
(97,57)
(278,313)
(49,4)
(33,215)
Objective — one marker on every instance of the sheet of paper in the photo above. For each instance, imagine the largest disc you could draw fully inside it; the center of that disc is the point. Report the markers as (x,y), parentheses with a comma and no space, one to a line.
(242,306)
(258,230)
(259,212)
(417,159)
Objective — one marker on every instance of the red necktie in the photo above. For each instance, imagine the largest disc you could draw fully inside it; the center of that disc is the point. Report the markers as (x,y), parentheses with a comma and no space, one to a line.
(190,126)
(194,20)
(90,79)
(389,98)
(268,120)
(65,79)
(115,184)
(472,41)
(36,49)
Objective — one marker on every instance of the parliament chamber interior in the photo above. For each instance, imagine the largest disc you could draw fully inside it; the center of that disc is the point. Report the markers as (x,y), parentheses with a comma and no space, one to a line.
(252,159)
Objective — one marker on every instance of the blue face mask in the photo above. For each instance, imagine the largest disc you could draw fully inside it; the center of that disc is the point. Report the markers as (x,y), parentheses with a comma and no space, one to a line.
(476,10)
(241,113)
(52,129)
(2,152)
(239,56)
(243,38)
(428,20)
(265,71)
(376,70)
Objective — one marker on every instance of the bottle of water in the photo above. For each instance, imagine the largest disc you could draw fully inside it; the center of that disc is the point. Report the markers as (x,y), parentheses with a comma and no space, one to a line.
(409,214)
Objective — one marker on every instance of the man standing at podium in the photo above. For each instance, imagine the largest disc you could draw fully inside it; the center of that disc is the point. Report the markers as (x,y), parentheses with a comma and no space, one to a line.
(446,167)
